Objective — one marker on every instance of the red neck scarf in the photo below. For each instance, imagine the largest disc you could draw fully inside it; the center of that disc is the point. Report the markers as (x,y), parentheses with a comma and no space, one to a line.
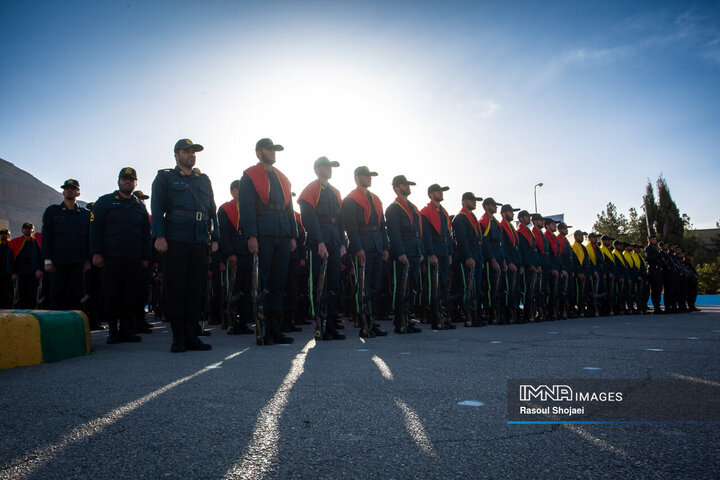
(259,177)
(232,210)
(301,229)
(510,231)
(525,232)
(539,240)
(17,244)
(430,211)
(311,194)
(471,218)
(552,240)
(360,196)
(562,241)
(405,205)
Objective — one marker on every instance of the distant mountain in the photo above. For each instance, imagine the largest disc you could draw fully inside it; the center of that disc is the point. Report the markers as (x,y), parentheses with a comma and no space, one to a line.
(24,198)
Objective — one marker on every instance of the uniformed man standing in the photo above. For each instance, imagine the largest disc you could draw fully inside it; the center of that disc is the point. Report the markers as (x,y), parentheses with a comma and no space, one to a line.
(320,211)
(597,273)
(531,269)
(555,280)
(495,265)
(269,219)
(468,254)
(511,248)
(183,217)
(547,268)
(233,245)
(581,271)
(27,266)
(624,285)
(438,250)
(66,248)
(364,222)
(7,275)
(655,272)
(120,244)
(566,261)
(404,225)
(614,281)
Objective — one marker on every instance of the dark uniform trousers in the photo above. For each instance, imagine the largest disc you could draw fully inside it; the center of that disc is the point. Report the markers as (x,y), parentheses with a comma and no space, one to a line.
(413,284)
(274,260)
(6,291)
(66,286)
(373,276)
(184,272)
(332,278)
(120,279)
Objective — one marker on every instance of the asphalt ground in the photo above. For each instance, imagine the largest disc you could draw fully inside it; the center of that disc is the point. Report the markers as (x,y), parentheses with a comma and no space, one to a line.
(386,408)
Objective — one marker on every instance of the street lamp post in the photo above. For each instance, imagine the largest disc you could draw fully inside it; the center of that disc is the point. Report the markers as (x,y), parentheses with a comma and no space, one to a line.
(535,194)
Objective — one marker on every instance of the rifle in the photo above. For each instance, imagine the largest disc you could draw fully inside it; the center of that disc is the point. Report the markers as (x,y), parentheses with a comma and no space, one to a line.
(401,310)
(469,298)
(321,302)
(16,293)
(510,295)
(228,281)
(435,302)
(39,298)
(531,298)
(257,302)
(206,305)
(362,303)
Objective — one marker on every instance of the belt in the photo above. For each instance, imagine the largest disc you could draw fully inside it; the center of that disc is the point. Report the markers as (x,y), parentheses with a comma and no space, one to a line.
(199,216)
(368,228)
(327,219)
(272,206)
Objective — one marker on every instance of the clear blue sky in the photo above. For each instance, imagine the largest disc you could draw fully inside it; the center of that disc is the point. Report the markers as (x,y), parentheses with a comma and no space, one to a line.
(590,99)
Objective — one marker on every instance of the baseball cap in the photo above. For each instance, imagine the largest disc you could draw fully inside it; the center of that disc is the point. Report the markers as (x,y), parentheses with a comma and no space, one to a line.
(5,230)
(364,171)
(490,201)
(71,183)
(537,216)
(267,143)
(437,188)
(550,220)
(128,172)
(185,144)
(28,225)
(564,225)
(523,213)
(579,232)
(324,161)
(508,208)
(470,196)
(401,180)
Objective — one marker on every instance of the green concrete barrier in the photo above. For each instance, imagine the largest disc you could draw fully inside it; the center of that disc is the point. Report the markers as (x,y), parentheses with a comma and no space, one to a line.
(29,337)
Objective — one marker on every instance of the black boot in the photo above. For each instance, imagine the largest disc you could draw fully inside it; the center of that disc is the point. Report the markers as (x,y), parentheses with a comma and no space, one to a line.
(273,326)
(178,328)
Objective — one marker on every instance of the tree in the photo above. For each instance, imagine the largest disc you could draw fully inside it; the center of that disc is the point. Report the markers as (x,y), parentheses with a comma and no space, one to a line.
(670,224)
(708,278)
(612,224)
(651,208)
(637,228)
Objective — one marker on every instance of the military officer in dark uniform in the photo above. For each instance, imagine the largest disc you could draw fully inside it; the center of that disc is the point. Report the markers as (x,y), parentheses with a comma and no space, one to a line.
(183,217)
(236,256)
(656,264)
(612,277)
(581,271)
(596,275)
(320,205)
(468,252)
(530,269)
(624,283)
(555,281)
(120,244)
(266,210)
(511,248)
(7,275)
(66,248)
(27,266)
(495,265)
(364,222)
(437,232)
(566,261)
(404,225)
(547,268)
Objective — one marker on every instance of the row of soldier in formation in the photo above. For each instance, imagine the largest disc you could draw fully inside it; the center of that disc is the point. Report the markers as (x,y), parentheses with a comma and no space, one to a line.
(352,254)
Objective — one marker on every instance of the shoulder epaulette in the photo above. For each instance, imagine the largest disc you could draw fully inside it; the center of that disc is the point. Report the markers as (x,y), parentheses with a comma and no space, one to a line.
(166,170)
